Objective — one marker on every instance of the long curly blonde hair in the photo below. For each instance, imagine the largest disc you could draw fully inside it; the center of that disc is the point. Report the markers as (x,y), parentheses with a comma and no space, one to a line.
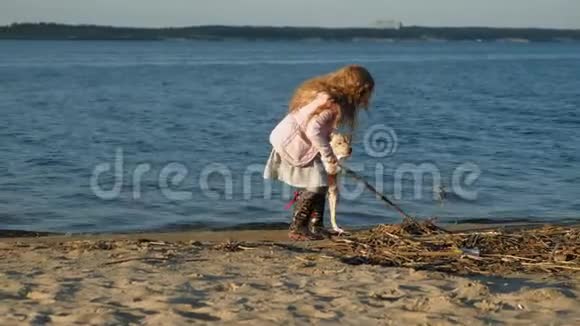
(349,87)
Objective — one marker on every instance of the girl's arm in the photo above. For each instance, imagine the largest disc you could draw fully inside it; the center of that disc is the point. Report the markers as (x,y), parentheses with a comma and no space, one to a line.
(318,131)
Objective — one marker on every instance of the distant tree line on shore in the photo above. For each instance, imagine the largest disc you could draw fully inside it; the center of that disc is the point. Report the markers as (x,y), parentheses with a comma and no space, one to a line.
(52,31)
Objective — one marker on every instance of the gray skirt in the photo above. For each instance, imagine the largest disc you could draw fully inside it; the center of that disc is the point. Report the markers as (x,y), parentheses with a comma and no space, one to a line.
(310,176)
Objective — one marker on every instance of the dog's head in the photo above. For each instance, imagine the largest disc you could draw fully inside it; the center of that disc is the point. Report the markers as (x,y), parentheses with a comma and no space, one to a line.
(341,145)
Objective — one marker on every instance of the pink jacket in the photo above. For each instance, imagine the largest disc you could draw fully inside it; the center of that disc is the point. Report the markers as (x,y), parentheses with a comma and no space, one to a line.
(299,139)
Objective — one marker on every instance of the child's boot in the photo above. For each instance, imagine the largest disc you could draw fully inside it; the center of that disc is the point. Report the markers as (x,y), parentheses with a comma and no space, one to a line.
(299,230)
(316,222)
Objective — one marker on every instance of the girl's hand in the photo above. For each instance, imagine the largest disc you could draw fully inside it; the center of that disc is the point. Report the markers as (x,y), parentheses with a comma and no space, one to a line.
(331,166)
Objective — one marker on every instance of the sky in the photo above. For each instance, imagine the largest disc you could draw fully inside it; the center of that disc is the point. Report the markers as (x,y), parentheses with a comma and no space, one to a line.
(327,13)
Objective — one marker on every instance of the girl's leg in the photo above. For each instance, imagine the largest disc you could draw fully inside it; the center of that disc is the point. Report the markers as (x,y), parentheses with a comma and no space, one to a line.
(303,210)
(316,222)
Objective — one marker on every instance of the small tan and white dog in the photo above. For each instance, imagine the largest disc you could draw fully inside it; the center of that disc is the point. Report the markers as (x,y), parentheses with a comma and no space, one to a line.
(342,148)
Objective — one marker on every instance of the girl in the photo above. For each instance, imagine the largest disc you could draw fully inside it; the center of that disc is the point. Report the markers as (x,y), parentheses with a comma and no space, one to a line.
(302,156)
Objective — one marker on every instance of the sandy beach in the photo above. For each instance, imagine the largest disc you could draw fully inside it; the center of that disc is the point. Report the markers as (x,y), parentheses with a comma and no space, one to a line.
(256,278)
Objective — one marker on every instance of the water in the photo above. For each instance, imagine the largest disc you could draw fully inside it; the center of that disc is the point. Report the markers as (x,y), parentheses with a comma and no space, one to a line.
(511,110)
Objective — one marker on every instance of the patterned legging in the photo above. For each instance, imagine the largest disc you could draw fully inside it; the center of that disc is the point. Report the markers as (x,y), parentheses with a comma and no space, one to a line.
(309,209)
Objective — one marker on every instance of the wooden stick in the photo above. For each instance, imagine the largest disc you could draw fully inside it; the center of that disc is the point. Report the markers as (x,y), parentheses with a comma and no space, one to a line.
(374,190)
(136,259)
(508,256)
(548,265)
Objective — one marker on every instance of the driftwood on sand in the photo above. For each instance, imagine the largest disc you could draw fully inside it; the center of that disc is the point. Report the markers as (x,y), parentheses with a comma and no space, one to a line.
(423,245)
(553,250)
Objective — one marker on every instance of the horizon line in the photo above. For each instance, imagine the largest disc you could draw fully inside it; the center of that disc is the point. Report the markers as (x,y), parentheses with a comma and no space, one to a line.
(287,26)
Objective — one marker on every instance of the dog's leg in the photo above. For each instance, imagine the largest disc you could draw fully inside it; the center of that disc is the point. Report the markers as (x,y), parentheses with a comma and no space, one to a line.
(332,203)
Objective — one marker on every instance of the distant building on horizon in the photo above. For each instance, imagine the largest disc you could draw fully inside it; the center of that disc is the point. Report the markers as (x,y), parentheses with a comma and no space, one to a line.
(388,24)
